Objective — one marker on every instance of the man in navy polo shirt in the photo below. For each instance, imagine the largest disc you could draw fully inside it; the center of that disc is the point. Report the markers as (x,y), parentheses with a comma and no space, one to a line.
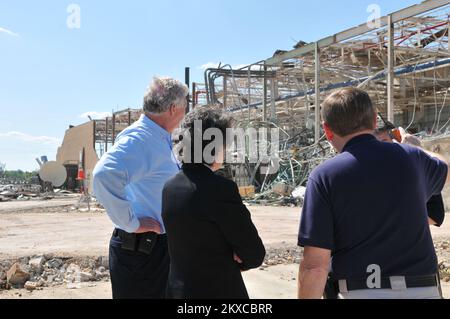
(365,210)
(384,133)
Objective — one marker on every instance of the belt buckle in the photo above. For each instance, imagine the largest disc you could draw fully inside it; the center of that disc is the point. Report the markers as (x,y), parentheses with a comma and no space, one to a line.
(343,286)
(398,283)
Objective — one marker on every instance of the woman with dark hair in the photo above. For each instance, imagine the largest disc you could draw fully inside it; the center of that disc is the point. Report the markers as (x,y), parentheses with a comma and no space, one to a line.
(210,233)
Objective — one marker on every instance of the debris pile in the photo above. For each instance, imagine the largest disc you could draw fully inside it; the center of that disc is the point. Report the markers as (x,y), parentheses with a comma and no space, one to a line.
(36,272)
(24,192)
(295,159)
(298,156)
(442,247)
(281,256)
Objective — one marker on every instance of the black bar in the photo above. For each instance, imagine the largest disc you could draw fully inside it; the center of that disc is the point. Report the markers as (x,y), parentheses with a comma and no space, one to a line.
(187,81)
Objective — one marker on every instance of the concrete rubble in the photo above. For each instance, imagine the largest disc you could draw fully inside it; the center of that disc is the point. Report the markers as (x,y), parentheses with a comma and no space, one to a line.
(29,285)
(443,252)
(21,190)
(37,272)
(16,275)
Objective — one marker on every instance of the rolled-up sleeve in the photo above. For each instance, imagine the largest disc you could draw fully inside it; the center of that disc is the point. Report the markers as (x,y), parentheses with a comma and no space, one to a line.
(436,210)
(317,223)
(116,169)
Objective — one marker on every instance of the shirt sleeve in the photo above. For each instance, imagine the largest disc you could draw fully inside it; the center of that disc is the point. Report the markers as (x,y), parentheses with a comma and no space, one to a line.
(317,222)
(435,173)
(125,163)
(436,210)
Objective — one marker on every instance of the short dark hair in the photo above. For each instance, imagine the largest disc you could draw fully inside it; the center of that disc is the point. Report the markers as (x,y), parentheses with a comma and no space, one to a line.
(210,117)
(348,111)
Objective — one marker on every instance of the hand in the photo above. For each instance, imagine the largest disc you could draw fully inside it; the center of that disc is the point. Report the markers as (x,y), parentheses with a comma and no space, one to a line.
(409,139)
(149,225)
(237,259)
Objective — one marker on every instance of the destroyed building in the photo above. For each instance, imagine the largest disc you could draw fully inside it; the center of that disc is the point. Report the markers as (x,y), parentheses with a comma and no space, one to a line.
(402,60)
(83,145)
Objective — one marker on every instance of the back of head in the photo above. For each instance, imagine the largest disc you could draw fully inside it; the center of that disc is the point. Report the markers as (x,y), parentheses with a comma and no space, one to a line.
(349,111)
(200,126)
(164,92)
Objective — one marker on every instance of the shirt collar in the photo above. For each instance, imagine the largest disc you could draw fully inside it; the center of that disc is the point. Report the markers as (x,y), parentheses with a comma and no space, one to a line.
(358,139)
(148,123)
(201,167)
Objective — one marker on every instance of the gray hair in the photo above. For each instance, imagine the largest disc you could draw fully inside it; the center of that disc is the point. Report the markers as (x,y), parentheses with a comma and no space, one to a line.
(164,92)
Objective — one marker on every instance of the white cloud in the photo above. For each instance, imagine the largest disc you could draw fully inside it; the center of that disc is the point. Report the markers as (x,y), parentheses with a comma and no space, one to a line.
(8,32)
(18,150)
(209,65)
(95,115)
(214,65)
(253,67)
(239,66)
(31,138)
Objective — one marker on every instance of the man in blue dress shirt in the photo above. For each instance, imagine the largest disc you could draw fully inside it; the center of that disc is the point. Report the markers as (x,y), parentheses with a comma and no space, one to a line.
(128,182)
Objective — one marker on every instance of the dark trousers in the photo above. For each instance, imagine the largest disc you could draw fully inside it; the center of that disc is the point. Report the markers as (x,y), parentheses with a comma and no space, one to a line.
(135,275)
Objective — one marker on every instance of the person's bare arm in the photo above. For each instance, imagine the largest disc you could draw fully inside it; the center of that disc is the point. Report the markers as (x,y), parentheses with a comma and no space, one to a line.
(313,273)
(147,225)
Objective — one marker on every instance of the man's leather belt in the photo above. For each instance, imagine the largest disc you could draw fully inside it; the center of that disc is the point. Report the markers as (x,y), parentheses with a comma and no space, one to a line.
(143,243)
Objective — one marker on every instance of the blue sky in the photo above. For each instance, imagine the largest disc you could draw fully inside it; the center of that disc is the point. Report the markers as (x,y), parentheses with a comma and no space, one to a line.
(50,75)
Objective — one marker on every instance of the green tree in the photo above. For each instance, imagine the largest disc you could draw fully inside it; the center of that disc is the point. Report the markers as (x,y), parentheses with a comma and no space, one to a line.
(19,175)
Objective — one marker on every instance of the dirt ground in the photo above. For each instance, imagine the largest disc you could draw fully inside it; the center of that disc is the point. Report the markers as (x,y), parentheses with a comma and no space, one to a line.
(55,227)
(70,232)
